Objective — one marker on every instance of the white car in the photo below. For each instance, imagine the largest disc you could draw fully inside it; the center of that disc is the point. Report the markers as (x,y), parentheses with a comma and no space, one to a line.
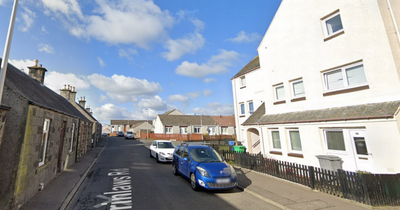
(129,135)
(162,150)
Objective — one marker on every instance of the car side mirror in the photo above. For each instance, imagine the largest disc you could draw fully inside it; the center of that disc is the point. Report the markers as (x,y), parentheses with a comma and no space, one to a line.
(185,159)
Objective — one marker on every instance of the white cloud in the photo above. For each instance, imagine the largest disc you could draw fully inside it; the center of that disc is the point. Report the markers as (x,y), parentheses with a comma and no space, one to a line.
(27,19)
(178,48)
(218,64)
(124,89)
(103,98)
(44,30)
(55,81)
(125,22)
(45,48)
(208,92)
(23,64)
(101,62)
(208,80)
(215,108)
(110,111)
(243,37)
(66,7)
(127,53)
(180,98)
(154,103)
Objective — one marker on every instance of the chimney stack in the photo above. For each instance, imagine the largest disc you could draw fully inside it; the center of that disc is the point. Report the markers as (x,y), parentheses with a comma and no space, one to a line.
(82,102)
(72,95)
(37,72)
(65,92)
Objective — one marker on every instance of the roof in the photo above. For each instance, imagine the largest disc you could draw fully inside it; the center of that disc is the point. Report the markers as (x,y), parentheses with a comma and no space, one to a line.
(251,66)
(172,112)
(358,112)
(37,93)
(186,120)
(224,120)
(125,122)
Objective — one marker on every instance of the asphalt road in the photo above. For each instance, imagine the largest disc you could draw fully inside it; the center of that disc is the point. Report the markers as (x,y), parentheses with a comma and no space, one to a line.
(125,177)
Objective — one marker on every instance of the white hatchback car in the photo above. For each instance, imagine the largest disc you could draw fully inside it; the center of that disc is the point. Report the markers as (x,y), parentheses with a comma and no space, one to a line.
(162,150)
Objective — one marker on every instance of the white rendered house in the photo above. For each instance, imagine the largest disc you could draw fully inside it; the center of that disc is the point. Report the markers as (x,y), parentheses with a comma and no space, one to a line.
(327,83)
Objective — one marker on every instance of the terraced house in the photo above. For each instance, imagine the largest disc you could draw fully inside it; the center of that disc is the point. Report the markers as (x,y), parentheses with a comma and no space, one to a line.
(42,134)
(325,82)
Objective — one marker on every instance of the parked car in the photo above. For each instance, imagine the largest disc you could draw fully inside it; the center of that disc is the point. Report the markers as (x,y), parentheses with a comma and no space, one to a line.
(204,167)
(104,135)
(120,134)
(129,135)
(162,150)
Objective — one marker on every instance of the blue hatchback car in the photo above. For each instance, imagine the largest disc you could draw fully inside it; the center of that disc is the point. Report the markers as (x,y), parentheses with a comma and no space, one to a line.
(204,167)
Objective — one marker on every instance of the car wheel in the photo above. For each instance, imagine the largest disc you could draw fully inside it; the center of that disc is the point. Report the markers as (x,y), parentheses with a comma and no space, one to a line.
(174,170)
(193,182)
(157,158)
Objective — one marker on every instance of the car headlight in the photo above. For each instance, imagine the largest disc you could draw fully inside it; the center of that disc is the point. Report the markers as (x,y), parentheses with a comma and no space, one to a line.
(162,153)
(233,172)
(202,171)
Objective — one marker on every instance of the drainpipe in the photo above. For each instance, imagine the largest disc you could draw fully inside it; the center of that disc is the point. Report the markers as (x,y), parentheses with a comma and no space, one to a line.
(77,140)
(394,20)
(262,140)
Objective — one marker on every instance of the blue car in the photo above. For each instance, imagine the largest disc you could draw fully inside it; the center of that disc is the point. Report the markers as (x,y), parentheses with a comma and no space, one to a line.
(204,167)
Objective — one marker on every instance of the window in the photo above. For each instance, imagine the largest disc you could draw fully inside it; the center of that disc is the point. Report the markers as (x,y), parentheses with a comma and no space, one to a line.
(242,81)
(332,24)
(224,130)
(72,137)
(298,88)
(345,77)
(43,143)
(295,142)
(276,141)
(242,110)
(211,130)
(335,140)
(251,107)
(168,130)
(361,147)
(183,130)
(196,130)
(279,92)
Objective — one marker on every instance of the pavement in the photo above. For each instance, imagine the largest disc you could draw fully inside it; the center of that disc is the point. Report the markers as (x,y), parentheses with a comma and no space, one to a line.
(278,192)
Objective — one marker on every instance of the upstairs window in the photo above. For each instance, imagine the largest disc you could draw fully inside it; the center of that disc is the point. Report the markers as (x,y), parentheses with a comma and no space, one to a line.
(242,110)
(279,92)
(345,77)
(332,24)
(298,88)
(243,81)
(251,107)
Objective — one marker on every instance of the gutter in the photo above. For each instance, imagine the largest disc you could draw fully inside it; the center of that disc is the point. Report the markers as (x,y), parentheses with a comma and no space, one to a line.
(394,20)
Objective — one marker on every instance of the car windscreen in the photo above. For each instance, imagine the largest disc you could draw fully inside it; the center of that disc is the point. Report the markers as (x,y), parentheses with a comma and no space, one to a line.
(165,145)
(205,155)
(129,132)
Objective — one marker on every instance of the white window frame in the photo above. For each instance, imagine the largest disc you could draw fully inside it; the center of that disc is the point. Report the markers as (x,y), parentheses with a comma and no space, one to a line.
(224,130)
(343,71)
(290,141)
(168,129)
(72,137)
(198,128)
(248,105)
(183,129)
(292,83)
(272,140)
(324,20)
(242,81)
(276,94)
(326,141)
(211,128)
(242,109)
(45,138)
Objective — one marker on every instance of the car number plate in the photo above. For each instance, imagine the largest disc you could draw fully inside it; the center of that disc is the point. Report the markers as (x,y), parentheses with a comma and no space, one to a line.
(223,181)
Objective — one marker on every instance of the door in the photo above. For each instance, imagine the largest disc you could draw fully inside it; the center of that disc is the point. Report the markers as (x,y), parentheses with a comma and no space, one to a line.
(60,147)
(362,154)
(184,162)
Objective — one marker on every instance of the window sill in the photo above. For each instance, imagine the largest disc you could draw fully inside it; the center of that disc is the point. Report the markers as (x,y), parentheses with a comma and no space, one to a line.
(298,99)
(333,36)
(242,87)
(279,102)
(348,90)
(242,116)
(296,155)
(275,152)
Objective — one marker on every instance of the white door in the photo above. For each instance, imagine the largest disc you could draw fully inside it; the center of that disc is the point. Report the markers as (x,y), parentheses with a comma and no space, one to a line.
(362,154)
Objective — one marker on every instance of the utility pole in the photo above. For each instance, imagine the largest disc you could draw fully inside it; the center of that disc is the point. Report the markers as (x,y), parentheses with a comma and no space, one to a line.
(7,47)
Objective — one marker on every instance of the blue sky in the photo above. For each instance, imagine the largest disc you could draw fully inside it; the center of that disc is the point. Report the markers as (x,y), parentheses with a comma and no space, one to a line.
(135,59)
